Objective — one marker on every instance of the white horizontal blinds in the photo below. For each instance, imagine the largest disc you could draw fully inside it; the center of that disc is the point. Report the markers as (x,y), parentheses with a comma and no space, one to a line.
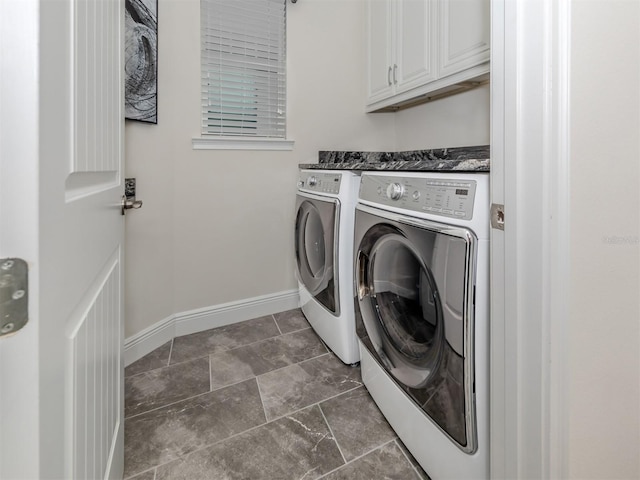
(243,67)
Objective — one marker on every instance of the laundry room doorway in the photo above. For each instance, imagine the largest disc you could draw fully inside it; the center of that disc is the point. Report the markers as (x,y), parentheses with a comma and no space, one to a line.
(61,184)
(530,65)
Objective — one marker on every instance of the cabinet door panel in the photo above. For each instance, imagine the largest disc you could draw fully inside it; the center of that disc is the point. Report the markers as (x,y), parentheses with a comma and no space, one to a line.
(379,49)
(416,39)
(464,34)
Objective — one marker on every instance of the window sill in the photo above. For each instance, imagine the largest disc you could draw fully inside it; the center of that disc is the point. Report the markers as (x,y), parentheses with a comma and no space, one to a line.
(221,143)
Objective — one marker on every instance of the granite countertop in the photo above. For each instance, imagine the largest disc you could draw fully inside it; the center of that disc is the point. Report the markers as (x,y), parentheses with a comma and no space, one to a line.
(461,159)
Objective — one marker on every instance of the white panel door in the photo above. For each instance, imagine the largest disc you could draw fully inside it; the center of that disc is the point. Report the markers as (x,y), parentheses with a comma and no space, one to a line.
(61,140)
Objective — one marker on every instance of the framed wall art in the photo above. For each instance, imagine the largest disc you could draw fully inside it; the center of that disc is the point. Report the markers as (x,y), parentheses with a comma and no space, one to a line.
(141,60)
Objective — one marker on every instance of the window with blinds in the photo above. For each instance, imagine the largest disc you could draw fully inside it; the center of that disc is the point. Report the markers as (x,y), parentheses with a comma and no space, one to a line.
(243,68)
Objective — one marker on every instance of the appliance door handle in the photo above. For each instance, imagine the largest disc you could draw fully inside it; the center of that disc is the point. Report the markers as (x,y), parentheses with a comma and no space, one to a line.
(362,269)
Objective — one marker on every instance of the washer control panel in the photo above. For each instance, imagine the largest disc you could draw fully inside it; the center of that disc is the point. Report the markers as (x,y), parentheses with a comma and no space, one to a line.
(320,182)
(437,196)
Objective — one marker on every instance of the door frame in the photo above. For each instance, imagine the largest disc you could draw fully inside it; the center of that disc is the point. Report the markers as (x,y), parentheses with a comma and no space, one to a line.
(530,165)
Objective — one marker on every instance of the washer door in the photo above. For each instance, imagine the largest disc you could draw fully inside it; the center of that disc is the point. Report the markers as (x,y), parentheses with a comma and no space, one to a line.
(315,244)
(414,312)
(404,323)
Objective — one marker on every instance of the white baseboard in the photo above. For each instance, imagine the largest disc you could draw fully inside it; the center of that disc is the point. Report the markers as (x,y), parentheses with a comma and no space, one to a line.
(148,340)
(193,321)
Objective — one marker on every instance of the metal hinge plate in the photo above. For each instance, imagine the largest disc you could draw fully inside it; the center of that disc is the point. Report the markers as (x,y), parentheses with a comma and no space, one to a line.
(497,216)
(14,298)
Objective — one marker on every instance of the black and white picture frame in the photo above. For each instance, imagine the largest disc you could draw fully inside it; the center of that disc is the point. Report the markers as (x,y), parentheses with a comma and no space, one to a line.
(141,60)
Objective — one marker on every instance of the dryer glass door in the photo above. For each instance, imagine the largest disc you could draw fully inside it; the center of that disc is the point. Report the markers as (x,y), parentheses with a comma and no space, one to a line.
(415,297)
(315,245)
(406,325)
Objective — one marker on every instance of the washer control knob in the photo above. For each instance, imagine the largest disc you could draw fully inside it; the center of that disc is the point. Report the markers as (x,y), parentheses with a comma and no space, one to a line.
(312,181)
(395,191)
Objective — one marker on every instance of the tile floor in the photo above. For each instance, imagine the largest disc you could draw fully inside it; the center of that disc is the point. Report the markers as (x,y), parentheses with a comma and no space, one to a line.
(261,399)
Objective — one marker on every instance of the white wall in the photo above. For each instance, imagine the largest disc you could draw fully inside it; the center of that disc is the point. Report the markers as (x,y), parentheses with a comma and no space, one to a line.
(604,348)
(458,121)
(216,226)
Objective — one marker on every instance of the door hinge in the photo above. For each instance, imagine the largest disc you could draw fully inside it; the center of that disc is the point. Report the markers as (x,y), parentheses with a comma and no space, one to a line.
(497,216)
(14,298)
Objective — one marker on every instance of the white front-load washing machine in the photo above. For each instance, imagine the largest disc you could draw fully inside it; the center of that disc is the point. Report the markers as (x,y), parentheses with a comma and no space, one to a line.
(422,313)
(325,205)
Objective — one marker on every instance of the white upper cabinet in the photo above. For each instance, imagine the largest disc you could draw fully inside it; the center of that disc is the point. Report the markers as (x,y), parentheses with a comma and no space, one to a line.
(379,49)
(414,44)
(464,30)
(423,49)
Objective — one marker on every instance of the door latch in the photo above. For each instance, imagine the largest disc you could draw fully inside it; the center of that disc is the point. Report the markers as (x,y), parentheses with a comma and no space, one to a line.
(497,216)
(14,298)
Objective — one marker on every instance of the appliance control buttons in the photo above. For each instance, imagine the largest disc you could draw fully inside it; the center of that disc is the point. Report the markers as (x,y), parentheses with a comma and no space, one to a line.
(444,197)
(312,181)
(395,191)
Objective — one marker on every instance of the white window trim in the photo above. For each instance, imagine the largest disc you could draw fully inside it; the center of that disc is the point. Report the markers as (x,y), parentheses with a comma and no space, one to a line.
(244,143)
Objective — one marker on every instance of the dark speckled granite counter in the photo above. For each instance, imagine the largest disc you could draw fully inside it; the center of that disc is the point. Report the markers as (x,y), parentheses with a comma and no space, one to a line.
(461,159)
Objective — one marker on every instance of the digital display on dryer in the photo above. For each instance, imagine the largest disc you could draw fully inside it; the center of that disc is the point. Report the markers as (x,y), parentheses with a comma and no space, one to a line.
(462,191)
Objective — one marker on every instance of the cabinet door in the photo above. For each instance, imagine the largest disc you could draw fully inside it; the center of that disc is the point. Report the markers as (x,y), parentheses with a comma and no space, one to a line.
(464,35)
(379,49)
(416,37)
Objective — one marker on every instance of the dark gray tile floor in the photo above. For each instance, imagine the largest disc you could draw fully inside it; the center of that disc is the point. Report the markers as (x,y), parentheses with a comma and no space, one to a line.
(261,399)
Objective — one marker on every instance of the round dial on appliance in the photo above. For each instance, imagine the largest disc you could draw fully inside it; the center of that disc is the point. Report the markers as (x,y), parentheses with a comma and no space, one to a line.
(312,181)
(395,191)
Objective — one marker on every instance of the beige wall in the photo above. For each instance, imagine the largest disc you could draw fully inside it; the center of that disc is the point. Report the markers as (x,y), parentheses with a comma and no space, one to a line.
(216,226)
(604,358)
(458,121)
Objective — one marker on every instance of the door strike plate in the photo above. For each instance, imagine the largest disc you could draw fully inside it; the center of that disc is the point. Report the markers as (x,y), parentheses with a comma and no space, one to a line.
(497,216)
(130,188)
(14,298)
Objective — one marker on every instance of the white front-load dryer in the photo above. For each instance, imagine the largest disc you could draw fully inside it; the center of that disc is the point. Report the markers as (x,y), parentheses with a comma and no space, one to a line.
(325,205)
(422,313)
